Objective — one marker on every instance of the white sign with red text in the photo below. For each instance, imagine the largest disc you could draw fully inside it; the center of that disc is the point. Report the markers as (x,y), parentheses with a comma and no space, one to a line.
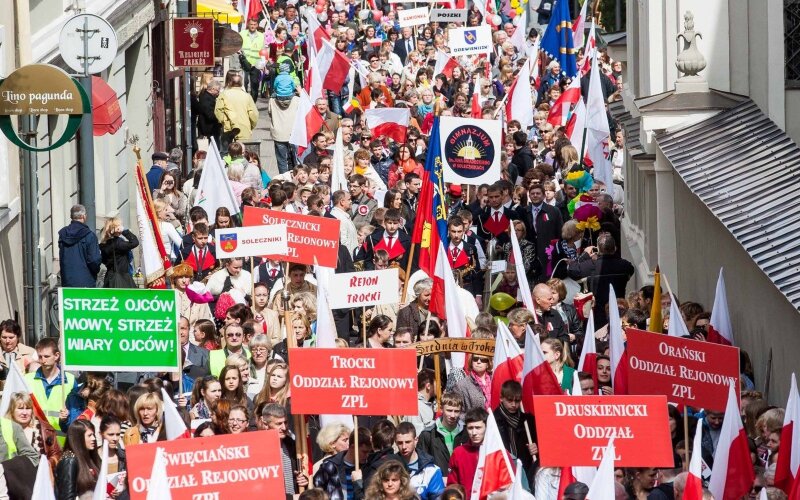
(366,288)
(251,241)
(408,18)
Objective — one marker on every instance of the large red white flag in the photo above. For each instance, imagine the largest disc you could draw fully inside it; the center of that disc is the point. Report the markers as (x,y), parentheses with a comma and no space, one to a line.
(597,130)
(789,457)
(155,258)
(445,302)
(562,109)
(524,291)
(388,122)
(677,327)
(444,64)
(158,486)
(315,31)
(694,481)
(507,361)
(307,122)
(519,105)
(588,360)
(538,378)
(602,487)
(43,486)
(732,473)
(174,425)
(333,67)
(578,28)
(475,102)
(338,177)
(520,36)
(720,328)
(494,471)
(616,346)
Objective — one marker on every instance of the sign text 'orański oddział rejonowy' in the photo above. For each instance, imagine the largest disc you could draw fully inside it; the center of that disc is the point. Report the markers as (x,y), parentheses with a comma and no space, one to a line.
(119,329)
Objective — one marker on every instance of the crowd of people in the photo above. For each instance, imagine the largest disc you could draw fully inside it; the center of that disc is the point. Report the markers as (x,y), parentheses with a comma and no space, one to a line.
(238,316)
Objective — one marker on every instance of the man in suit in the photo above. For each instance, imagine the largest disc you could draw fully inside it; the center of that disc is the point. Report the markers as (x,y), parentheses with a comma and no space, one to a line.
(464,257)
(153,175)
(602,268)
(194,358)
(495,219)
(396,243)
(405,45)
(542,224)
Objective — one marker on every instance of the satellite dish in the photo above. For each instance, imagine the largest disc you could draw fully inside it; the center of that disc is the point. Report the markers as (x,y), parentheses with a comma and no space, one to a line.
(102,46)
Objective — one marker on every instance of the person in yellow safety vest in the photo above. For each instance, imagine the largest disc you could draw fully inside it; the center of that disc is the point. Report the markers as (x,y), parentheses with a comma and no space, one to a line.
(19,460)
(252,43)
(47,387)
(234,337)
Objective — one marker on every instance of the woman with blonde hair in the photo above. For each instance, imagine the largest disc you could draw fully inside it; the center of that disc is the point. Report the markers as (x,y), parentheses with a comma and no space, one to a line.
(116,244)
(390,482)
(169,236)
(305,303)
(148,410)
(558,357)
(301,329)
(332,439)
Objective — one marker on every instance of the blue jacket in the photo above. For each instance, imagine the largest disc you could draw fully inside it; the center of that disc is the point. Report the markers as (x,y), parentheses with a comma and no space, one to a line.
(427,481)
(153,176)
(79,254)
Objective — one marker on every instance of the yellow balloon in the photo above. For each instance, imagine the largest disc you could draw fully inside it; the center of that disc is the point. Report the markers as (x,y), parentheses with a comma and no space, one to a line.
(515,3)
(519,10)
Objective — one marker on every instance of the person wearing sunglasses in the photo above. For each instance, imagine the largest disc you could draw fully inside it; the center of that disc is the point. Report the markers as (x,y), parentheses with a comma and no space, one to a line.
(476,386)
(234,339)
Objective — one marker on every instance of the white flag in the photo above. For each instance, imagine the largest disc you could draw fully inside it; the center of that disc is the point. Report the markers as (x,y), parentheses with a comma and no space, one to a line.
(43,487)
(338,177)
(158,486)
(15,382)
(214,189)
(326,328)
(101,488)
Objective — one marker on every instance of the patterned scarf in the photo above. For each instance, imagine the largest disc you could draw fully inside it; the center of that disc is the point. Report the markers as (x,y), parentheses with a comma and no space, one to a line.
(485,384)
(513,422)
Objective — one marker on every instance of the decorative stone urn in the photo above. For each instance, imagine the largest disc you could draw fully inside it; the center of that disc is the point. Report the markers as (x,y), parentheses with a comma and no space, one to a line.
(690,61)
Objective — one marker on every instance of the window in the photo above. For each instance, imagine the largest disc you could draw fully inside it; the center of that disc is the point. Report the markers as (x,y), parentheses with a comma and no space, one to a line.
(791,40)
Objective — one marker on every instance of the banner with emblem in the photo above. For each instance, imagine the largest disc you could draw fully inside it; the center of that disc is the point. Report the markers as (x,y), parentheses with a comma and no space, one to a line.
(471,150)
(470,40)
(251,241)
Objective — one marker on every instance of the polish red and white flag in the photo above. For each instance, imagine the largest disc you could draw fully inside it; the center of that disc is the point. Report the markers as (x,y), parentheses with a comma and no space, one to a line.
(789,457)
(174,425)
(446,304)
(564,106)
(444,64)
(588,360)
(519,105)
(388,122)
(307,122)
(508,361)
(333,67)
(720,328)
(475,102)
(616,347)
(494,471)
(694,481)
(732,474)
(538,379)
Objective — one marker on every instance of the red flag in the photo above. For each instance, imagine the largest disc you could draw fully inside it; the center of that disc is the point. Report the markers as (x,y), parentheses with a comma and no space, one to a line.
(494,471)
(588,360)
(720,329)
(333,67)
(694,481)
(254,9)
(316,33)
(444,64)
(388,122)
(616,346)
(476,100)
(789,456)
(567,477)
(538,378)
(732,474)
(508,361)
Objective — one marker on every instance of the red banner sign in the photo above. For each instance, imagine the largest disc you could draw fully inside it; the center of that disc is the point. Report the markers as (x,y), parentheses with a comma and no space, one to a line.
(686,371)
(218,467)
(354,381)
(312,240)
(193,42)
(638,425)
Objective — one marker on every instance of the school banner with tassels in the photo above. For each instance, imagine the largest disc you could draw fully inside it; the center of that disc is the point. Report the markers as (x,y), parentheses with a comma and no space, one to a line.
(155,259)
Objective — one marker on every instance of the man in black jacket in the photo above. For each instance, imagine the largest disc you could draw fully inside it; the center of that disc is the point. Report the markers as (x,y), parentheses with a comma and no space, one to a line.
(383,434)
(542,225)
(515,425)
(447,432)
(549,318)
(207,123)
(523,156)
(273,417)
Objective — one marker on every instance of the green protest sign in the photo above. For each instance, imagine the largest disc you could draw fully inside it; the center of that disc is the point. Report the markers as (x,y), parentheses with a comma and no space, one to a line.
(121,330)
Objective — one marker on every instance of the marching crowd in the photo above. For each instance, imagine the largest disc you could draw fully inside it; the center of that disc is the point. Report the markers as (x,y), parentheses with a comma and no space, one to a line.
(238,316)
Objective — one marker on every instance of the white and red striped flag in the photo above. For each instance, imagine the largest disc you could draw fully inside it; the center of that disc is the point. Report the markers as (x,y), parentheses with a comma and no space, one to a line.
(174,425)
(538,378)
(155,258)
(315,31)
(519,105)
(388,122)
(494,471)
(307,122)
(445,302)
(507,363)
(602,487)
(475,102)
(578,27)
(333,67)
(588,360)
(616,346)
(158,485)
(444,64)
(732,474)
(520,37)
(720,328)
(694,481)
(789,456)
(562,109)
(524,291)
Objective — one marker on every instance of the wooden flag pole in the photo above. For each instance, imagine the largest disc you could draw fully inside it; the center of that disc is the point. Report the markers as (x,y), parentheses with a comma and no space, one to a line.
(299,420)
(686,435)
(364,326)
(408,275)
(355,436)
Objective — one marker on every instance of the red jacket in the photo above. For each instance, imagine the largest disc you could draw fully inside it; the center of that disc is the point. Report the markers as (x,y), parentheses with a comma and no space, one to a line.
(463,464)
